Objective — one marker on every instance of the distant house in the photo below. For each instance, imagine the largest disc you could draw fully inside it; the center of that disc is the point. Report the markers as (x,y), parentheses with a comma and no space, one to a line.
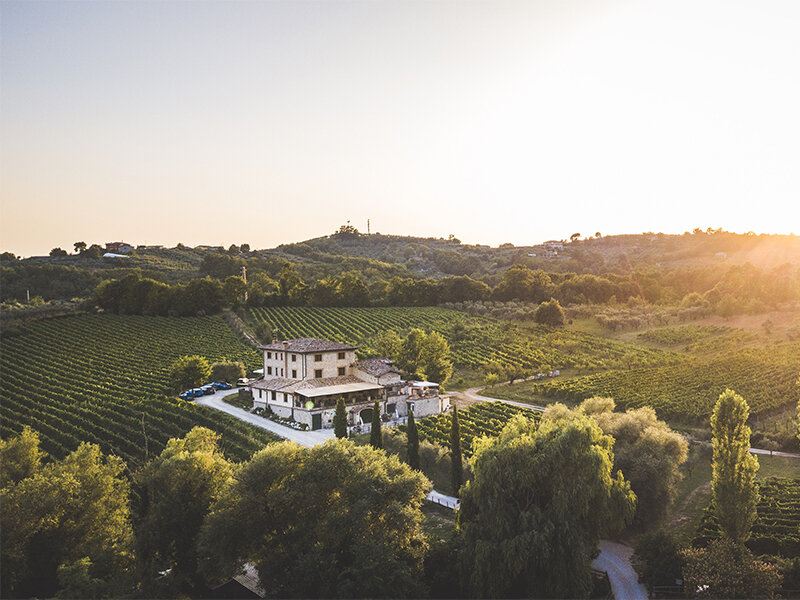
(553,245)
(304,378)
(118,247)
(205,247)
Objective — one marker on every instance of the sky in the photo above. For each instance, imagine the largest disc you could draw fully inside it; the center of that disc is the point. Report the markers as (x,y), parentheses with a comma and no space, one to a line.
(272,122)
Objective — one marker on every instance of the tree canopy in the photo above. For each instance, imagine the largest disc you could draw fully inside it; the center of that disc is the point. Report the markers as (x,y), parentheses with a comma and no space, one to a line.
(648,453)
(176,491)
(335,520)
(540,499)
(733,487)
(189,371)
(61,513)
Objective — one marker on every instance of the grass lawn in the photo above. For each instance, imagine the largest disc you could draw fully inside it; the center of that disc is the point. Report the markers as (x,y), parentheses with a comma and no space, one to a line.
(439,523)
(234,399)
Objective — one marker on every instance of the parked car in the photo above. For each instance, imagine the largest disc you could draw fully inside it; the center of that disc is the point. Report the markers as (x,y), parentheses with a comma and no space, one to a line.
(221,385)
(197,392)
(242,381)
(187,395)
(208,389)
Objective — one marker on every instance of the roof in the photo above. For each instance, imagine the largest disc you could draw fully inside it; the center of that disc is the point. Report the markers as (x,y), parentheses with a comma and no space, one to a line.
(424,384)
(305,345)
(315,387)
(339,389)
(376,366)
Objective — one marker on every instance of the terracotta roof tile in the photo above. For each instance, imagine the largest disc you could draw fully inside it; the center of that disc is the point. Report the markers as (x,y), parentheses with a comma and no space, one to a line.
(305,345)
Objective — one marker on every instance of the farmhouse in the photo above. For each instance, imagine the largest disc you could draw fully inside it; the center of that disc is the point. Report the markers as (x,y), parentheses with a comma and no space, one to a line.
(118,247)
(304,378)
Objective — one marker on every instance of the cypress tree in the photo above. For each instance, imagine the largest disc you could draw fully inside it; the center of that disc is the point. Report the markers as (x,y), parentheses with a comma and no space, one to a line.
(455,452)
(413,442)
(375,435)
(733,488)
(340,419)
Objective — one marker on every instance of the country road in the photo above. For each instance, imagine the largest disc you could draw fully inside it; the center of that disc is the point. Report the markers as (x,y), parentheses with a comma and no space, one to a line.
(615,559)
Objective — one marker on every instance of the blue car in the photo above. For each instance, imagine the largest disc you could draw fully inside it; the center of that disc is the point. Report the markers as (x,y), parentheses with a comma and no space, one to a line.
(221,385)
(185,395)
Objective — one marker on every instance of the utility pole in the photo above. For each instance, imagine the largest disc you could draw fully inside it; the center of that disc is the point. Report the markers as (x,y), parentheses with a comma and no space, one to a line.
(244,276)
(367,226)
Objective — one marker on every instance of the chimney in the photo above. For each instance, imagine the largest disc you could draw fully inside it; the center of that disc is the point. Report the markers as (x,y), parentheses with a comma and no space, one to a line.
(285,345)
(274,340)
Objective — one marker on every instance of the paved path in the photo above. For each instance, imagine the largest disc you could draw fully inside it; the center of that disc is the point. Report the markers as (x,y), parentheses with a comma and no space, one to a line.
(474,394)
(758,450)
(615,559)
(304,438)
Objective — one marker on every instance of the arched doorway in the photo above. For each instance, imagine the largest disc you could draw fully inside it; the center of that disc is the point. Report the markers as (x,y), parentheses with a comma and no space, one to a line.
(366,416)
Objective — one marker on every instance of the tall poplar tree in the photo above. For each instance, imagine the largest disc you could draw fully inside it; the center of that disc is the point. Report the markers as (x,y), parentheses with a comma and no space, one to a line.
(340,419)
(733,487)
(455,452)
(376,435)
(413,441)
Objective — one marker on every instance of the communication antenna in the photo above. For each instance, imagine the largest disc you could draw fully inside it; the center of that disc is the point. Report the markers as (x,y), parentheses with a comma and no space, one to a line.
(367,226)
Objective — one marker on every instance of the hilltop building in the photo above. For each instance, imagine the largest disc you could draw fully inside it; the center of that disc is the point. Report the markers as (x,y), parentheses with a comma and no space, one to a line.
(118,247)
(304,378)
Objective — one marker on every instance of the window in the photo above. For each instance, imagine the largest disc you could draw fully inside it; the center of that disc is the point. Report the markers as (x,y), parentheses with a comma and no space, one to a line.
(294,357)
(269,370)
(281,372)
(274,395)
(341,355)
(294,373)
(341,370)
(317,373)
(269,354)
(259,393)
(318,358)
(286,398)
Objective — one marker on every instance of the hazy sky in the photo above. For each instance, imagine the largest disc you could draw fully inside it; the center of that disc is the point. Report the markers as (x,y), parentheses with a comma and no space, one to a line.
(268,122)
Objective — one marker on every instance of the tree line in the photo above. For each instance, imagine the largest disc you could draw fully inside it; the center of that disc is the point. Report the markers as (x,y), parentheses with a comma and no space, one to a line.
(344,520)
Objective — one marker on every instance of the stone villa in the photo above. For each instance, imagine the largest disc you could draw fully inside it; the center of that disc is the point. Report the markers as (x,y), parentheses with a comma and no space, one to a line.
(304,378)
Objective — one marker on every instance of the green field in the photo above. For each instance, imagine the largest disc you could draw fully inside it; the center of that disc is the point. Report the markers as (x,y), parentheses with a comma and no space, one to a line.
(474,341)
(103,379)
(765,377)
(776,530)
(484,418)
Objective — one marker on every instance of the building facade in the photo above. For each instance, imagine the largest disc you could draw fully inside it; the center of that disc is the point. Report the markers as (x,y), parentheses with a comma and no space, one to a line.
(304,378)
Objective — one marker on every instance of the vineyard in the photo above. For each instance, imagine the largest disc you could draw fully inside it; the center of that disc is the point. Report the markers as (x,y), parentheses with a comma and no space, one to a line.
(103,379)
(699,338)
(765,377)
(776,530)
(474,341)
(484,418)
